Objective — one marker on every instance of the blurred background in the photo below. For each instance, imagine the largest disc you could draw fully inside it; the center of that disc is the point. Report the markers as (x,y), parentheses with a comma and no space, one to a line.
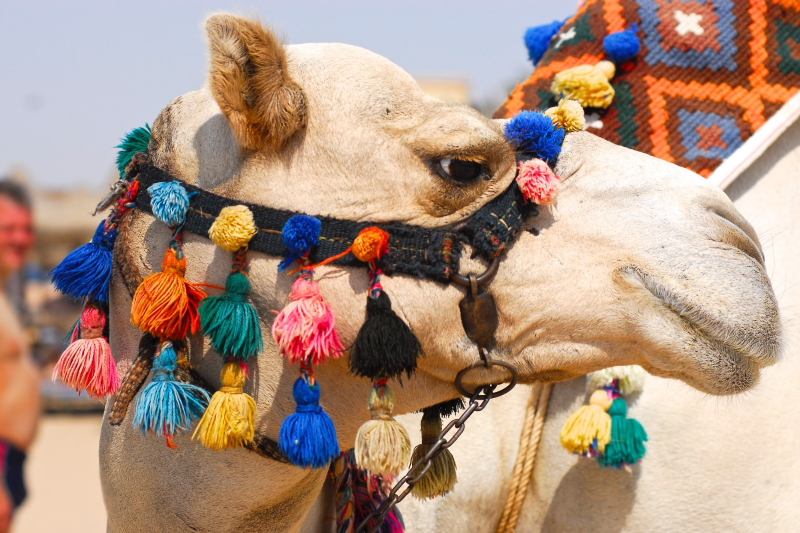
(76,76)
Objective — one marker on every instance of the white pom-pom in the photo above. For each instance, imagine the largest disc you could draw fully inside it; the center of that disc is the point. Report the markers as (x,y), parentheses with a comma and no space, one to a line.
(629,378)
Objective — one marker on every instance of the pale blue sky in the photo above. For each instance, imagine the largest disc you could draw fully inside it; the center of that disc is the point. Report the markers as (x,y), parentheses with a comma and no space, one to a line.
(75,76)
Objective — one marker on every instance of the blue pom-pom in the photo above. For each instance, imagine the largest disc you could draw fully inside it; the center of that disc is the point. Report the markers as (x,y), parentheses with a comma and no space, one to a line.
(135,141)
(165,407)
(308,437)
(86,272)
(537,39)
(170,202)
(300,234)
(531,131)
(623,45)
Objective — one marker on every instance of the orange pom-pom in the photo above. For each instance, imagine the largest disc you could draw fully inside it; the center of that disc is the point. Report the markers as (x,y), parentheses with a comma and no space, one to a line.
(165,304)
(371,243)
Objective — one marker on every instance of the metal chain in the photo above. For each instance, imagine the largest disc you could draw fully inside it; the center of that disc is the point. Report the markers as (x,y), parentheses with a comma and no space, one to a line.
(477,402)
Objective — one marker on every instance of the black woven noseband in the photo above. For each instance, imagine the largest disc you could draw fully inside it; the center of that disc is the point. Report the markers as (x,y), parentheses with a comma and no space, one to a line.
(424,252)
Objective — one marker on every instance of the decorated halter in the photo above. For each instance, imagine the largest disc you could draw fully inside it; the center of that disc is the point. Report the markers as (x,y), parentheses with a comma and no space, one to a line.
(168,308)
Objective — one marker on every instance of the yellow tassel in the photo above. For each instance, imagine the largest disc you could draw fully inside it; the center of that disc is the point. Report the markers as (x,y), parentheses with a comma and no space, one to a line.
(233,228)
(441,477)
(588,423)
(588,84)
(229,420)
(568,116)
(382,444)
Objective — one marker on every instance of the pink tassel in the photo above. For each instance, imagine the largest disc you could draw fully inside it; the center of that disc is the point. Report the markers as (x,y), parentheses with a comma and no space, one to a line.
(87,363)
(537,182)
(304,330)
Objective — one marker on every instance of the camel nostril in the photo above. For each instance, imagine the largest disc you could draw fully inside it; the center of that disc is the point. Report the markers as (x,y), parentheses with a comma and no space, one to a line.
(737,232)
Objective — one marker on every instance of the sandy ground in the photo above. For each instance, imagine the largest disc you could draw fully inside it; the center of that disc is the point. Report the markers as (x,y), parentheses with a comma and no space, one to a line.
(63,478)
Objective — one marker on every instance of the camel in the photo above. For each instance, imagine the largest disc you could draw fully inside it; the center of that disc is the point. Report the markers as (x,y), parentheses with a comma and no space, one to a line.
(625,271)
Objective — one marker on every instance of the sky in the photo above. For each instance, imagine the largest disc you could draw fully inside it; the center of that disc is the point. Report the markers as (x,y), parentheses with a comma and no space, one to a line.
(76,76)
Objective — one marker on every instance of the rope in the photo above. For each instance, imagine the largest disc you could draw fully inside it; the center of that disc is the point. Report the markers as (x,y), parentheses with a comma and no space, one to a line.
(535,414)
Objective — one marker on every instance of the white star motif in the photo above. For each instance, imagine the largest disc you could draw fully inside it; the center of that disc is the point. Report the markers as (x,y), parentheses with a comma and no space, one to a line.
(566,36)
(688,22)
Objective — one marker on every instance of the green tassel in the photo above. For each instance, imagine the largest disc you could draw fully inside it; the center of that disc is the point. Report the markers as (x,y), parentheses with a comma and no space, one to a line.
(627,438)
(135,141)
(231,322)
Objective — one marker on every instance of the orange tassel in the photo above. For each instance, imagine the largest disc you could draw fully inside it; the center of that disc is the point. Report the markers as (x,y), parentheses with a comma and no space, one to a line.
(165,304)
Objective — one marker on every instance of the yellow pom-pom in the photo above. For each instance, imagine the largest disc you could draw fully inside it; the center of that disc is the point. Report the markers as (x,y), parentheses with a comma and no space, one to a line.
(588,423)
(370,244)
(568,115)
(382,444)
(233,228)
(588,84)
(229,420)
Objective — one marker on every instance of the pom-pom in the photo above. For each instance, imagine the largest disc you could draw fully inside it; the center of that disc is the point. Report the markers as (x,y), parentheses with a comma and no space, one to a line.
(385,346)
(305,329)
(229,420)
(308,437)
(588,84)
(170,202)
(623,45)
(568,115)
(233,228)
(370,244)
(382,444)
(134,142)
(231,322)
(87,363)
(300,234)
(537,39)
(629,378)
(537,182)
(441,477)
(86,272)
(588,429)
(531,131)
(626,446)
(165,304)
(166,407)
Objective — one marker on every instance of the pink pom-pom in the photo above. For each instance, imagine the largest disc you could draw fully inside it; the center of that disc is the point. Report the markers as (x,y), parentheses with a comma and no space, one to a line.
(87,363)
(537,182)
(304,330)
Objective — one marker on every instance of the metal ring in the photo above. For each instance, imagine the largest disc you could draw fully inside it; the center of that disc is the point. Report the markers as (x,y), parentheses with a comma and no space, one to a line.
(483,279)
(481,364)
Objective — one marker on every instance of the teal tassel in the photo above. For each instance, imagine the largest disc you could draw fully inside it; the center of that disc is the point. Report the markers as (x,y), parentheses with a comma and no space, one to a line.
(627,438)
(231,322)
(134,142)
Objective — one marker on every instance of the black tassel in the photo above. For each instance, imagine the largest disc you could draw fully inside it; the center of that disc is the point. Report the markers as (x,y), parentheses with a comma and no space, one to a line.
(385,346)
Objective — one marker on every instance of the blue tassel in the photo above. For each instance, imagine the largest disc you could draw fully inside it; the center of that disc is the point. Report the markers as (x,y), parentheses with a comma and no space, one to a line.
(169,201)
(165,407)
(135,141)
(623,45)
(300,234)
(537,39)
(308,437)
(86,272)
(531,131)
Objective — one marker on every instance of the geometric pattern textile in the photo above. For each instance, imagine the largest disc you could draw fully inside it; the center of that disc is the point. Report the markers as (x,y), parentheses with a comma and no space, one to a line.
(708,75)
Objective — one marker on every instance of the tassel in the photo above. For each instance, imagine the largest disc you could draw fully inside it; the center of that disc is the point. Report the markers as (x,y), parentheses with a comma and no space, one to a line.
(165,304)
(568,115)
(87,363)
(441,477)
(85,273)
(308,437)
(627,438)
(537,182)
(231,322)
(134,142)
(588,430)
(531,131)
(382,444)
(588,84)
(229,420)
(166,407)
(622,45)
(537,39)
(305,329)
(629,379)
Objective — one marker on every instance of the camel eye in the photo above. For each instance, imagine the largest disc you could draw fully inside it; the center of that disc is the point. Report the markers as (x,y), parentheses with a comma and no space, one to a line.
(460,170)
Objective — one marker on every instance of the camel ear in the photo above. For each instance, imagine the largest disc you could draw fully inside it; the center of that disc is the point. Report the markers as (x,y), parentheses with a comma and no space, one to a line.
(251,83)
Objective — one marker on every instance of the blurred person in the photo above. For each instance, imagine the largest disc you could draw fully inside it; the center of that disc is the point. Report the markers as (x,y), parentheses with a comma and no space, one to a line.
(19,379)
